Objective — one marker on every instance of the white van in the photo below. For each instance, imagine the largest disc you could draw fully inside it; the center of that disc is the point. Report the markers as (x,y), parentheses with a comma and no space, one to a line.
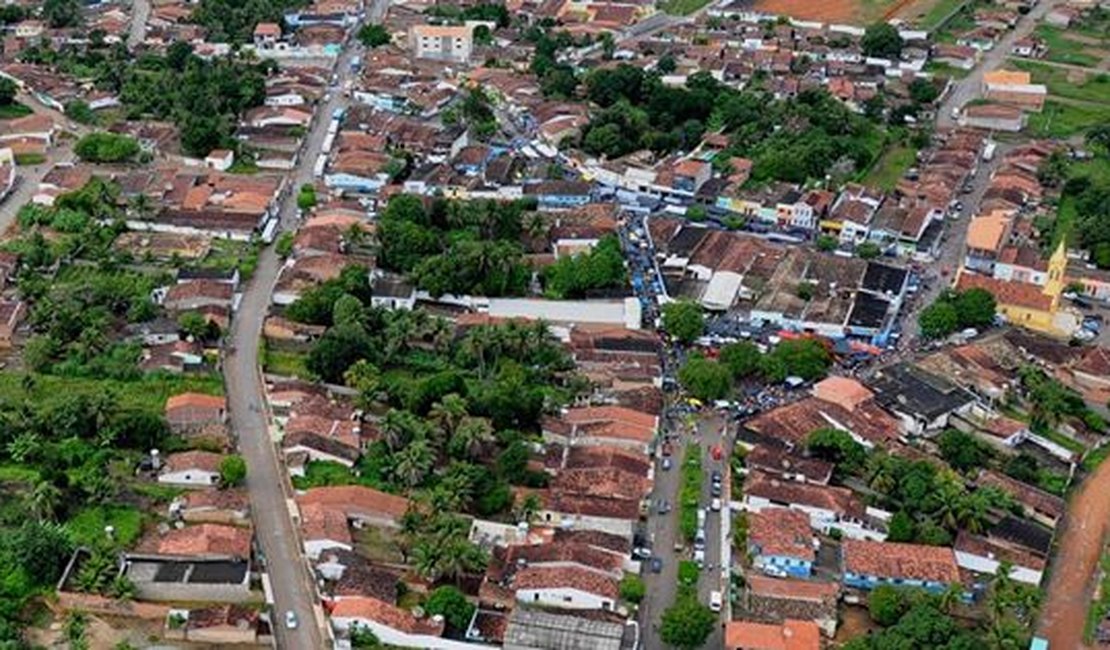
(715,601)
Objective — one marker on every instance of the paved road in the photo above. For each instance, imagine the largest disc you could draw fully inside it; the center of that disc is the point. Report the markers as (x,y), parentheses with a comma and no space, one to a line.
(267,481)
(951,248)
(140,12)
(663,531)
(968,88)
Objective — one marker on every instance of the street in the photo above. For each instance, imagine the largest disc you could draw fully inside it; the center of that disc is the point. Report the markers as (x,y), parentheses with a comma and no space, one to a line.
(663,530)
(140,12)
(969,88)
(267,481)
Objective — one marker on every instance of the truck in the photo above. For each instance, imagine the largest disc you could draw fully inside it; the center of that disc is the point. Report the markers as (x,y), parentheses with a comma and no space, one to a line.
(988,150)
(318,168)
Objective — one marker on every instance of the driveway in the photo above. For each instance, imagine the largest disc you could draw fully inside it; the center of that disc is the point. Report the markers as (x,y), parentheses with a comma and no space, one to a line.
(267,481)
(966,89)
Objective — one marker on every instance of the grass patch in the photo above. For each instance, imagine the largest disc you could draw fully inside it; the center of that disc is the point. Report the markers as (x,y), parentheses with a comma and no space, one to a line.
(25,159)
(1062,49)
(87,527)
(226,255)
(1094,88)
(14,110)
(682,7)
(891,167)
(1065,120)
(1094,458)
(18,474)
(689,492)
(289,364)
(148,393)
(931,19)
(1100,607)
(156,491)
(319,473)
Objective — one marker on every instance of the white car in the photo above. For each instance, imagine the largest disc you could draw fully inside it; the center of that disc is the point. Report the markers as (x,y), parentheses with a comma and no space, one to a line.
(715,504)
(699,558)
(715,601)
(290,620)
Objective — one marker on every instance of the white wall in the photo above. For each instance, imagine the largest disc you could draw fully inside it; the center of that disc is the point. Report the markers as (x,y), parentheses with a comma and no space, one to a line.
(190,478)
(564,598)
(989,566)
(314,547)
(391,636)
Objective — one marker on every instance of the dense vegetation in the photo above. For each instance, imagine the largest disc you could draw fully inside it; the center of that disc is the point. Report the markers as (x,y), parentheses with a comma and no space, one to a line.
(790,140)
(456,247)
(106,148)
(954,310)
(580,275)
(455,412)
(233,21)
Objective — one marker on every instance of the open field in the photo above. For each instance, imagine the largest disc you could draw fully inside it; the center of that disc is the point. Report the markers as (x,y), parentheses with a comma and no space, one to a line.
(1063,47)
(1071,84)
(890,168)
(853,12)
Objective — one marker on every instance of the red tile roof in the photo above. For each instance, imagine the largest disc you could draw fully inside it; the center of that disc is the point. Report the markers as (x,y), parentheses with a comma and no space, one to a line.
(785,589)
(897,560)
(205,461)
(205,540)
(791,635)
(1019,294)
(372,609)
(782,532)
(357,500)
(566,577)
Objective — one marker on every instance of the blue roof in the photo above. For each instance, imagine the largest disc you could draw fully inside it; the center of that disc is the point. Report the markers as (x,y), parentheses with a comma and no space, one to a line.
(1038,644)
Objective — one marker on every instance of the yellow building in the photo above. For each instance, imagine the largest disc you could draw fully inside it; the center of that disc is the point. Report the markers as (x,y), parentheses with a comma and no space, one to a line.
(1029,305)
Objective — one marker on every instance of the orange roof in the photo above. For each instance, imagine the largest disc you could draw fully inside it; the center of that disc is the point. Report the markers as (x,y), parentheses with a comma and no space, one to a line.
(187,460)
(791,635)
(319,521)
(1007,77)
(1018,294)
(372,609)
(356,500)
(900,561)
(206,539)
(195,400)
(986,232)
(847,392)
(612,414)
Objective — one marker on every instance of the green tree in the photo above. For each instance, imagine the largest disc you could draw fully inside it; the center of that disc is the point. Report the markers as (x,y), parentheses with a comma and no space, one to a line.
(923,91)
(687,624)
(233,471)
(683,320)
(901,528)
(882,40)
(975,308)
(705,379)
(452,605)
(284,245)
(632,588)
(938,320)
(806,358)
(826,243)
(103,147)
(837,446)
(8,91)
(743,359)
(887,604)
(62,13)
(373,35)
(962,451)
(868,250)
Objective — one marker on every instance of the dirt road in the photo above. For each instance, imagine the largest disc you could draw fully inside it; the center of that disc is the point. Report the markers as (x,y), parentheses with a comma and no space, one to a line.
(1076,564)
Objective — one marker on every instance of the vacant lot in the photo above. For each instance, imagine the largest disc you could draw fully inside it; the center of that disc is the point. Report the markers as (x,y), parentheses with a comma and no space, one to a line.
(1066,46)
(852,12)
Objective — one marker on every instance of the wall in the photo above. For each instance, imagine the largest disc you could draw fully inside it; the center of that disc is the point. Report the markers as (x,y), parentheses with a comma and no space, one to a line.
(563,598)
(390,636)
(989,566)
(101,605)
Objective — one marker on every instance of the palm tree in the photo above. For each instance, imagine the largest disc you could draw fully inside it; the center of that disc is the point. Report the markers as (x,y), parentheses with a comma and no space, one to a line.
(364,377)
(952,595)
(412,464)
(449,413)
(44,500)
(529,507)
(398,428)
(470,436)
(141,206)
(24,447)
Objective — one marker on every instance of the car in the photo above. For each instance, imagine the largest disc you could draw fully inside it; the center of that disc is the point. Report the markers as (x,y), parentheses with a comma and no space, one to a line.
(716,477)
(718,453)
(715,489)
(290,619)
(715,601)
(661,507)
(656,565)
(666,463)
(641,553)
(715,504)
(699,557)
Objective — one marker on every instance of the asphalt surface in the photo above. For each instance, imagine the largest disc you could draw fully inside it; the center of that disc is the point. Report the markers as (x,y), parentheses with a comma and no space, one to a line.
(267,481)
(970,87)
(663,530)
(140,12)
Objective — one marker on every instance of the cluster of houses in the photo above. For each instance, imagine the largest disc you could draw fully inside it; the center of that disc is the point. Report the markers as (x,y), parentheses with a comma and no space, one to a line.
(795,581)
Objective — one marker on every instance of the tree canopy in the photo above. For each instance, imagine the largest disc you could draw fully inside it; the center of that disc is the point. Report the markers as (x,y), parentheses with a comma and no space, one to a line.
(576,276)
(683,320)
(103,147)
(882,40)
(687,624)
(704,378)
(955,310)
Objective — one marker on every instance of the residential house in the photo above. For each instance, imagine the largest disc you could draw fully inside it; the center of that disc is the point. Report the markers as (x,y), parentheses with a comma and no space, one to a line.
(323,528)
(1015,88)
(361,505)
(452,43)
(827,507)
(775,600)
(558,195)
(922,401)
(191,469)
(602,425)
(868,564)
(790,635)
(228,506)
(984,555)
(201,563)
(993,117)
(1039,505)
(390,624)
(194,410)
(781,542)
(566,587)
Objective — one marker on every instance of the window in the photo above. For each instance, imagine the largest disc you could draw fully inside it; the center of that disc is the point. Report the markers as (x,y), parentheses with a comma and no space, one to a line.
(567,599)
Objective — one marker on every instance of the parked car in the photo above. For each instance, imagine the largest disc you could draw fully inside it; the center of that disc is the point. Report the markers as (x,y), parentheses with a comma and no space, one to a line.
(290,619)
(641,553)
(666,463)
(699,557)
(715,504)
(716,477)
(656,565)
(715,601)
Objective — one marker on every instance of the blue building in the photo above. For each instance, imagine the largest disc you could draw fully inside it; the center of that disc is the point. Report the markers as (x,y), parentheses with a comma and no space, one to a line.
(556,195)
(781,542)
(869,564)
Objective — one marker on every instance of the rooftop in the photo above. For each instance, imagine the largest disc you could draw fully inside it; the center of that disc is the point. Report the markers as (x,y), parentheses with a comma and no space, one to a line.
(791,635)
(900,561)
